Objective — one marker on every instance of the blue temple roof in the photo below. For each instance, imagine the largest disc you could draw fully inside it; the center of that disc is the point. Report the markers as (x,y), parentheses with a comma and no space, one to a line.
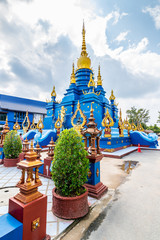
(22,104)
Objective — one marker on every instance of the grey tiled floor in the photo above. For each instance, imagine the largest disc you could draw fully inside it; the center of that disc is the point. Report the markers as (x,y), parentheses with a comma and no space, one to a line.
(8,180)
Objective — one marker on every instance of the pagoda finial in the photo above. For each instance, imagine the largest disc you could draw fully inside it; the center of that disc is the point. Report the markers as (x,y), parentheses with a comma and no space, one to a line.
(83,61)
(53,93)
(112,97)
(99,80)
(91,81)
(83,40)
(73,79)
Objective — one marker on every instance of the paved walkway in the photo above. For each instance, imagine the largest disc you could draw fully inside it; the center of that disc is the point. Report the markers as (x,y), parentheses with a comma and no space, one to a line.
(8,180)
(134,213)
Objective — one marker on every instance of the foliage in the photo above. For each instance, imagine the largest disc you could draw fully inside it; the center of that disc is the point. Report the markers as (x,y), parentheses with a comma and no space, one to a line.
(70,166)
(158,121)
(12,145)
(154,128)
(138,116)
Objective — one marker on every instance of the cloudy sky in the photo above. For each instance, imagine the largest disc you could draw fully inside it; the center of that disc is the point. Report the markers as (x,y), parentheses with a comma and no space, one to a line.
(40,39)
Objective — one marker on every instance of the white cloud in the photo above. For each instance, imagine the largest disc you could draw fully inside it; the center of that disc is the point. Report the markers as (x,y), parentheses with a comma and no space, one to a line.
(154,13)
(121,37)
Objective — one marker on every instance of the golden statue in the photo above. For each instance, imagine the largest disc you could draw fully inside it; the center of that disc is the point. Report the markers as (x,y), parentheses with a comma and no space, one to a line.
(63,113)
(58,124)
(120,124)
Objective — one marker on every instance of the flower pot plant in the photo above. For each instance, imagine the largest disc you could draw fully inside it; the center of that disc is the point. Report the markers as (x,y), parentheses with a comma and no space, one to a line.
(12,148)
(69,172)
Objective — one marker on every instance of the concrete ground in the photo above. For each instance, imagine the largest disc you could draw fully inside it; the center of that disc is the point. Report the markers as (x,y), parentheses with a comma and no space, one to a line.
(130,210)
(112,207)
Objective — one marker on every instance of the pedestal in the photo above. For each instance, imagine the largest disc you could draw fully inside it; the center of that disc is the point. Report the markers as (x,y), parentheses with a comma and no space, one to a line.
(96,191)
(47,164)
(95,188)
(32,215)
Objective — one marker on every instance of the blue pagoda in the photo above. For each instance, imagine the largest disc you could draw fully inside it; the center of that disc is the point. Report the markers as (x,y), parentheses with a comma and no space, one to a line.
(74,109)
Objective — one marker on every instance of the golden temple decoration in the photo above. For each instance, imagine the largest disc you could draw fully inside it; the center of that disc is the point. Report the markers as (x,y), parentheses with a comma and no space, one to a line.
(120,124)
(73,79)
(112,97)
(99,80)
(83,61)
(78,126)
(97,172)
(91,81)
(33,125)
(16,126)
(26,123)
(89,173)
(53,93)
(28,185)
(35,224)
(40,125)
(133,126)
(63,113)
(58,125)
(140,128)
(107,122)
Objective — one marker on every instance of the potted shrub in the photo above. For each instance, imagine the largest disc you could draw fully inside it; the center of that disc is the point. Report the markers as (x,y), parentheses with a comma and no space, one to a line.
(12,148)
(69,172)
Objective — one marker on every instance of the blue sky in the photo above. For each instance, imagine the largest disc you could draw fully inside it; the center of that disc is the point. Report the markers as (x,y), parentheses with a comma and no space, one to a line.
(40,39)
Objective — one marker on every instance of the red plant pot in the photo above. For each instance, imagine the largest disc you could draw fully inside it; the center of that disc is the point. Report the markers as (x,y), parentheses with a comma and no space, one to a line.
(8,162)
(70,207)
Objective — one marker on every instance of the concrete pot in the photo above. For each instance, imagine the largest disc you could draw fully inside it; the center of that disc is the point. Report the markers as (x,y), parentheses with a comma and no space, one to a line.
(8,162)
(70,207)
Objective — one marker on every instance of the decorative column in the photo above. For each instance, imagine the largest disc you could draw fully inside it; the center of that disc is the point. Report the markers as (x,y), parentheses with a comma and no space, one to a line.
(29,206)
(49,159)
(95,187)
(25,149)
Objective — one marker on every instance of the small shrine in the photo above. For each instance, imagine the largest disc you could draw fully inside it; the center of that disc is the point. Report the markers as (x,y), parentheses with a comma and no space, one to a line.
(29,185)
(25,149)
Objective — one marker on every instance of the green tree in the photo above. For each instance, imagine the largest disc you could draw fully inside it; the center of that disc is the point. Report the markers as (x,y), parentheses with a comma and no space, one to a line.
(158,121)
(138,116)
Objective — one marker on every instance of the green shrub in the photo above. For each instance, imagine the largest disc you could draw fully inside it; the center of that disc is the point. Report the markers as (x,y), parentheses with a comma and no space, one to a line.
(70,166)
(12,145)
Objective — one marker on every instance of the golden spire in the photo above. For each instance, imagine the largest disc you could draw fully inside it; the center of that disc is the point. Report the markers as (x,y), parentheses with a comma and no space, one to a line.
(91,81)
(84,61)
(83,38)
(99,80)
(112,97)
(53,93)
(73,79)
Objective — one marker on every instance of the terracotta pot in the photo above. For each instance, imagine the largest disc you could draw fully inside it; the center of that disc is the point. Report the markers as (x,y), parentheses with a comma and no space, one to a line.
(8,162)
(70,207)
